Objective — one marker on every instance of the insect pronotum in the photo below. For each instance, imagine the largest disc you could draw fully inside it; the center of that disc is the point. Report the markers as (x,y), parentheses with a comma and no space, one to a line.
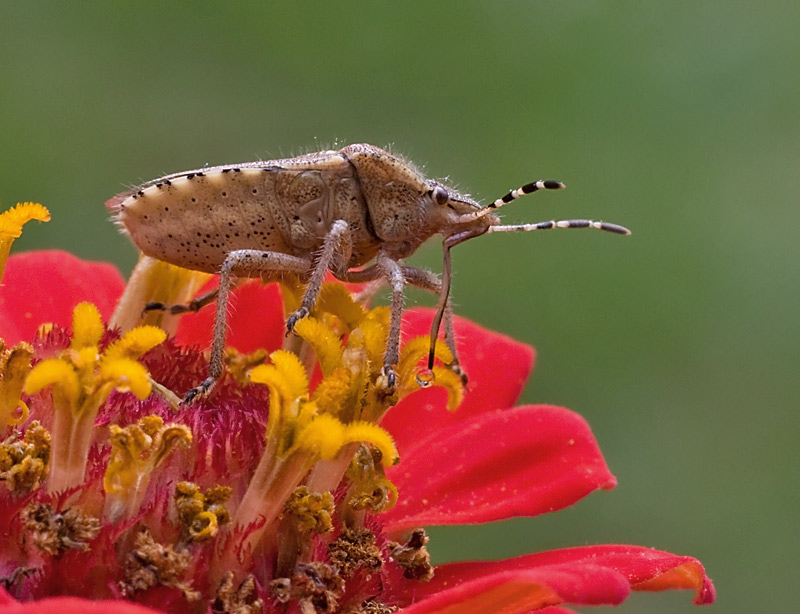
(356,212)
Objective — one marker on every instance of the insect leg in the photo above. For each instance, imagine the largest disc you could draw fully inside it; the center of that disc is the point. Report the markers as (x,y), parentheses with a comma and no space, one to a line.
(334,244)
(371,276)
(196,304)
(371,273)
(431,282)
(248,263)
(393,272)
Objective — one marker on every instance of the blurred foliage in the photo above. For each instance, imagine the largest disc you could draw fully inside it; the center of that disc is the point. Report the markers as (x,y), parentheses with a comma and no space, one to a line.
(680,344)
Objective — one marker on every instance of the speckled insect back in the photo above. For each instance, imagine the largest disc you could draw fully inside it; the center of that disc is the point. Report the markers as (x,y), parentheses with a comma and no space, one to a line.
(327,211)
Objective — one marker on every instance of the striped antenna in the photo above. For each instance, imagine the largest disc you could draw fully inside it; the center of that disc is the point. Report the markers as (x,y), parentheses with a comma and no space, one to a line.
(608,227)
(528,188)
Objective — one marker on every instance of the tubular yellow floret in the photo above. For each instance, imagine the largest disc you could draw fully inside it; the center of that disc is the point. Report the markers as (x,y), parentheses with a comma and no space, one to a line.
(323,340)
(170,437)
(367,432)
(336,299)
(326,435)
(323,436)
(15,364)
(125,447)
(292,373)
(87,326)
(25,212)
(139,448)
(136,451)
(332,391)
(11,222)
(375,333)
(9,230)
(135,342)
(451,381)
(127,375)
(82,379)
(270,376)
(288,384)
(24,458)
(55,372)
(415,350)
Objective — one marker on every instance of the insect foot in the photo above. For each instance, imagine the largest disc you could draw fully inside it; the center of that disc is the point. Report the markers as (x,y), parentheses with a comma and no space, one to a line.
(301,313)
(357,212)
(387,380)
(199,391)
(462,375)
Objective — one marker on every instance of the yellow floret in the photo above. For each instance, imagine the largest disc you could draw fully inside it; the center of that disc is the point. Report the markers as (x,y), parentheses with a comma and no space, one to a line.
(87,326)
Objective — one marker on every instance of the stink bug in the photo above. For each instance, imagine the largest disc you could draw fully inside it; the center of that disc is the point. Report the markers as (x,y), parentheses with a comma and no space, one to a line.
(332,211)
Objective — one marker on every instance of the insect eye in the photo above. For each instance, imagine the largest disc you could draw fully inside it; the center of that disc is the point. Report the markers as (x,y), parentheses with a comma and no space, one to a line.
(440,195)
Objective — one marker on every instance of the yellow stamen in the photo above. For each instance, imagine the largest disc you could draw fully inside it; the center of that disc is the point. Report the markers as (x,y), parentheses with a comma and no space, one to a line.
(414,351)
(332,391)
(286,373)
(201,514)
(310,511)
(450,381)
(292,292)
(239,364)
(15,364)
(126,375)
(25,212)
(82,378)
(375,332)
(369,487)
(57,373)
(323,340)
(11,222)
(135,342)
(136,451)
(336,300)
(87,326)
(325,436)
(312,438)
(24,460)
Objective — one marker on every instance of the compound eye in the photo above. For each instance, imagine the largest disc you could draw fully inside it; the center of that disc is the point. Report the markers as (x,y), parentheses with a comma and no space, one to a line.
(440,195)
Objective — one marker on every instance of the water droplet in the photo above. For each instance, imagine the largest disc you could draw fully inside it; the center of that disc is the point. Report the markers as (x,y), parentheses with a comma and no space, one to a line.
(425,378)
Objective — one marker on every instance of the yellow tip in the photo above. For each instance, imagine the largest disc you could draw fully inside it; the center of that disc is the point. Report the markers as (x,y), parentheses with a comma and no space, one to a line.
(325,342)
(87,326)
(135,342)
(127,375)
(11,221)
(55,372)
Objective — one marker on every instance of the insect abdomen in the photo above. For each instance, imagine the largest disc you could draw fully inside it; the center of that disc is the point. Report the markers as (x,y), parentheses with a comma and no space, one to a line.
(194,220)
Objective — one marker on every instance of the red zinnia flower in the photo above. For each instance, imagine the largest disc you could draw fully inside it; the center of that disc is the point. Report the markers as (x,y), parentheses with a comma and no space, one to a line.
(185,510)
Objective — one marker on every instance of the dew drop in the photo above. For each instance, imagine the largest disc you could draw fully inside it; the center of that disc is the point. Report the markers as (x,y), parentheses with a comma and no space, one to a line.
(425,378)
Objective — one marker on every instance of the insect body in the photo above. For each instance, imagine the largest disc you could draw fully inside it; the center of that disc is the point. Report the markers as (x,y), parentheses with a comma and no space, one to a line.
(356,212)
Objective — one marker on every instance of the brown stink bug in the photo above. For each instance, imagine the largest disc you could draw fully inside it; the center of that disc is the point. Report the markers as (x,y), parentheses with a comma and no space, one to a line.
(333,211)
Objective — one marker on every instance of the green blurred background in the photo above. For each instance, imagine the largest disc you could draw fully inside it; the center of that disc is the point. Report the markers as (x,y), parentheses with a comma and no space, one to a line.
(680,344)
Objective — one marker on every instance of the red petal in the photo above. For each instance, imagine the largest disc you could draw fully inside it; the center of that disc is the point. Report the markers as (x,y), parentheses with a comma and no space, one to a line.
(590,576)
(70,605)
(45,286)
(503,593)
(256,319)
(497,367)
(516,462)
(520,591)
